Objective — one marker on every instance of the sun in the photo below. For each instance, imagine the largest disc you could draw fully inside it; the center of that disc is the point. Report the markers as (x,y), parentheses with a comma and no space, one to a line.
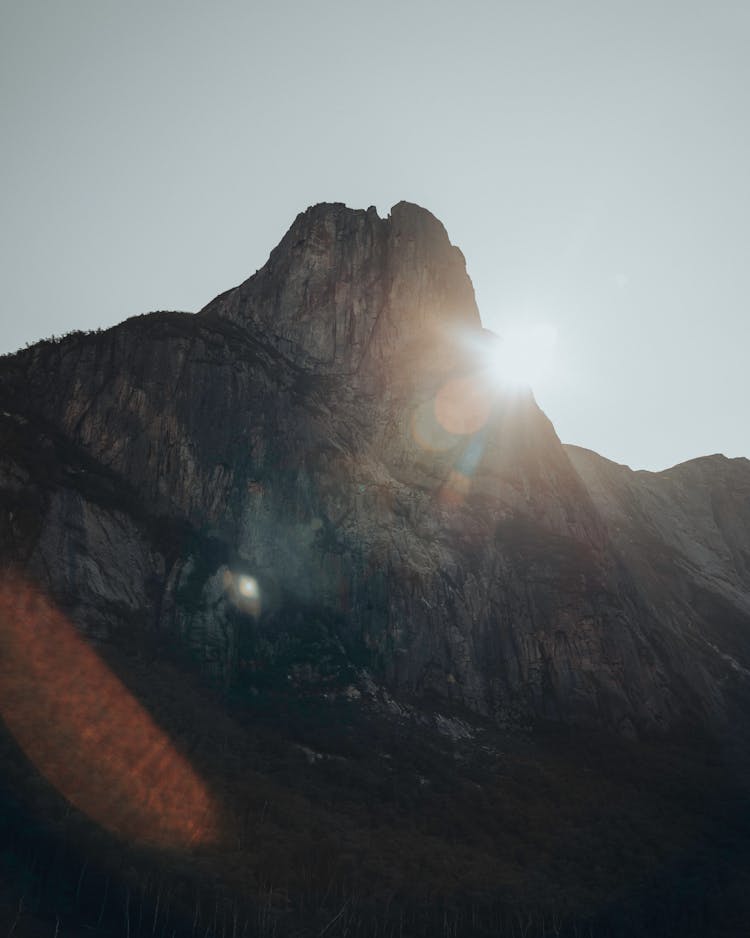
(521,356)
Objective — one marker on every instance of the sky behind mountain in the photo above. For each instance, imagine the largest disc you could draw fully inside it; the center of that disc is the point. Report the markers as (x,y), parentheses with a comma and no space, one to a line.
(589,159)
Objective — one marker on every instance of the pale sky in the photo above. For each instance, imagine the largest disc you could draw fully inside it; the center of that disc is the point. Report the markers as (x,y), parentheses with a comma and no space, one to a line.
(591,160)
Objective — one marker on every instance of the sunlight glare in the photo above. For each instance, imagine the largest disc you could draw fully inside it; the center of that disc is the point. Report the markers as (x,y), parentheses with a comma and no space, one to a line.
(522,355)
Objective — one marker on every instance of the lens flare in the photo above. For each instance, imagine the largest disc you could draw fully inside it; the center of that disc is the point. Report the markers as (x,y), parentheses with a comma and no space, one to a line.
(87,734)
(244,591)
(248,587)
(462,405)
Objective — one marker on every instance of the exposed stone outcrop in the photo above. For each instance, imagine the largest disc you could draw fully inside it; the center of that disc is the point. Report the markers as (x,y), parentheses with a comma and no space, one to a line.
(326,428)
(349,293)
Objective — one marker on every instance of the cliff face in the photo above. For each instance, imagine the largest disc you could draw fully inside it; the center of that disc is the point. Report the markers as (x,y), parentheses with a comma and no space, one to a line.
(325,429)
(349,293)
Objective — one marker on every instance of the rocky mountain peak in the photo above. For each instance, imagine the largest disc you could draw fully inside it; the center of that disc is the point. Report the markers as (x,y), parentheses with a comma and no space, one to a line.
(346,290)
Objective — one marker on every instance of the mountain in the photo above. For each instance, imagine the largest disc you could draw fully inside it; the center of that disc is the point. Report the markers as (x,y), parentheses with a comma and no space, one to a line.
(325,428)
(317,496)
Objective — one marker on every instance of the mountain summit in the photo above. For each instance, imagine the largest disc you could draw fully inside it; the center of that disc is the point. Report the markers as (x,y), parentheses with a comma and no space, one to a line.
(345,288)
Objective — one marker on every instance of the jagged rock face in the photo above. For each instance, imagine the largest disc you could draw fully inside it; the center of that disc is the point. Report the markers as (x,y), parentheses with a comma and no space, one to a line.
(349,293)
(326,428)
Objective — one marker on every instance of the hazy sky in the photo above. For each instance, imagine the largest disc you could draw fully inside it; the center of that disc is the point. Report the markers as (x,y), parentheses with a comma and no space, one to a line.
(591,159)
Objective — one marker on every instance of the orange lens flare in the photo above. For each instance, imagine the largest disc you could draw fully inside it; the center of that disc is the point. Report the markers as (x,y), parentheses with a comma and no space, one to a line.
(463,405)
(87,735)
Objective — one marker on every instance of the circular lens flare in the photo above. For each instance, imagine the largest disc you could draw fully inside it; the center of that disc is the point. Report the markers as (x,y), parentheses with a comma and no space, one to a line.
(248,587)
(462,405)
(244,591)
